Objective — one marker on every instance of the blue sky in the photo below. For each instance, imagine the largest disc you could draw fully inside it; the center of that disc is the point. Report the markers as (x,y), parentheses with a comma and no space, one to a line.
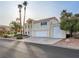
(35,9)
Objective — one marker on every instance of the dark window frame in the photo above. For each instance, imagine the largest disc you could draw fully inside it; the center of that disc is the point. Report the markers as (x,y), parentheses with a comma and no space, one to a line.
(43,23)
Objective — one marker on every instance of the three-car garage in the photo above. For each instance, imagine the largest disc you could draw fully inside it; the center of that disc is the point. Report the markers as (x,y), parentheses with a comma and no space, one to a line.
(55,33)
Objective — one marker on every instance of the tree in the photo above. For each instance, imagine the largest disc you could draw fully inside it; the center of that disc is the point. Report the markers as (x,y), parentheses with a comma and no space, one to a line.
(65,14)
(77,15)
(25,4)
(77,21)
(15,26)
(69,23)
(20,7)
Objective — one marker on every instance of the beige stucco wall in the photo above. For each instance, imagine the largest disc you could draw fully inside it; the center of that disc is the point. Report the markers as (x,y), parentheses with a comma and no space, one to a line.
(37,27)
(52,23)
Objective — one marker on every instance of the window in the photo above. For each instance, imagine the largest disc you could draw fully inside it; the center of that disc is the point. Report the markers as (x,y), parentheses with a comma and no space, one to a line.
(43,23)
(28,26)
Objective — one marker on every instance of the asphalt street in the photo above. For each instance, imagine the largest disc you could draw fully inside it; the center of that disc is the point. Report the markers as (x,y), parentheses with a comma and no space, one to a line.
(18,49)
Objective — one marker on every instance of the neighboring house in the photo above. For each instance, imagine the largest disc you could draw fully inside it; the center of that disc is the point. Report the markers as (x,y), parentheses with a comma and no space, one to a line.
(48,27)
(4,29)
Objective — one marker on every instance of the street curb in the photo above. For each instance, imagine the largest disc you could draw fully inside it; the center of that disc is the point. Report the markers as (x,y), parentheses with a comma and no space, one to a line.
(58,41)
(67,47)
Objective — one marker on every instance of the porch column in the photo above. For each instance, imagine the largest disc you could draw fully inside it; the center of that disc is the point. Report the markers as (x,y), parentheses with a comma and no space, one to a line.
(27,28)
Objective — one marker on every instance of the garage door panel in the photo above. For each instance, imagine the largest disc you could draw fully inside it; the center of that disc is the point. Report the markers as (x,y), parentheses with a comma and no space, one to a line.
(40,34)
(58,33)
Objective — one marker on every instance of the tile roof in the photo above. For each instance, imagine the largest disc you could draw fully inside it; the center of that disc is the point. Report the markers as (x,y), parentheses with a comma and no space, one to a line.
(46,19)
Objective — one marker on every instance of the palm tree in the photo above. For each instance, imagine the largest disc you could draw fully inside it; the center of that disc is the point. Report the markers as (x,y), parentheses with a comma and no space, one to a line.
(25,4)
(20,7)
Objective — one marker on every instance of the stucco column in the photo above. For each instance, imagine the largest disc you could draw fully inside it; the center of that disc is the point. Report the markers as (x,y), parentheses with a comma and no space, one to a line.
(50,26)
(27,28)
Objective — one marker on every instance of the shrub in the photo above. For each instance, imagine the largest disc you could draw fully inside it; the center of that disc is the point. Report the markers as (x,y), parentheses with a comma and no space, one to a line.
(6,36)
(19,36)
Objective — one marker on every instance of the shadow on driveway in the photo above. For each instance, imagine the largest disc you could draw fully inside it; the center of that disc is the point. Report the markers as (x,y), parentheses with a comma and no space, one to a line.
(11,51)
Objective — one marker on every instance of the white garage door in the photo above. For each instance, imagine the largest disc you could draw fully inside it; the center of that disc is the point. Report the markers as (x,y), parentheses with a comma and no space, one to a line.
(58,33)
(41,34)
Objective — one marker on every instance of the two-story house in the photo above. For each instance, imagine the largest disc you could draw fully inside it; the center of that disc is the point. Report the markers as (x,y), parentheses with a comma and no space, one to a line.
(49,27)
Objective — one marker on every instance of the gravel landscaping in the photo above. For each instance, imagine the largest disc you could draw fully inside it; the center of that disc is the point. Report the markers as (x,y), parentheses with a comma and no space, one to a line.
(68,43)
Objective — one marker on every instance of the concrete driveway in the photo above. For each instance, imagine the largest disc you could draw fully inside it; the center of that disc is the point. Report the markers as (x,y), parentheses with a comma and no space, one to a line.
(40,40)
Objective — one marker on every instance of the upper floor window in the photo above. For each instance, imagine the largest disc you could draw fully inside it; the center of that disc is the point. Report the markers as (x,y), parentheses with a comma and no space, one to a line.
(43,23)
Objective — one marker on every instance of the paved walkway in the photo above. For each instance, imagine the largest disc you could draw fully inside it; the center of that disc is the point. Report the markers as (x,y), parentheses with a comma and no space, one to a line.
(36,40)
